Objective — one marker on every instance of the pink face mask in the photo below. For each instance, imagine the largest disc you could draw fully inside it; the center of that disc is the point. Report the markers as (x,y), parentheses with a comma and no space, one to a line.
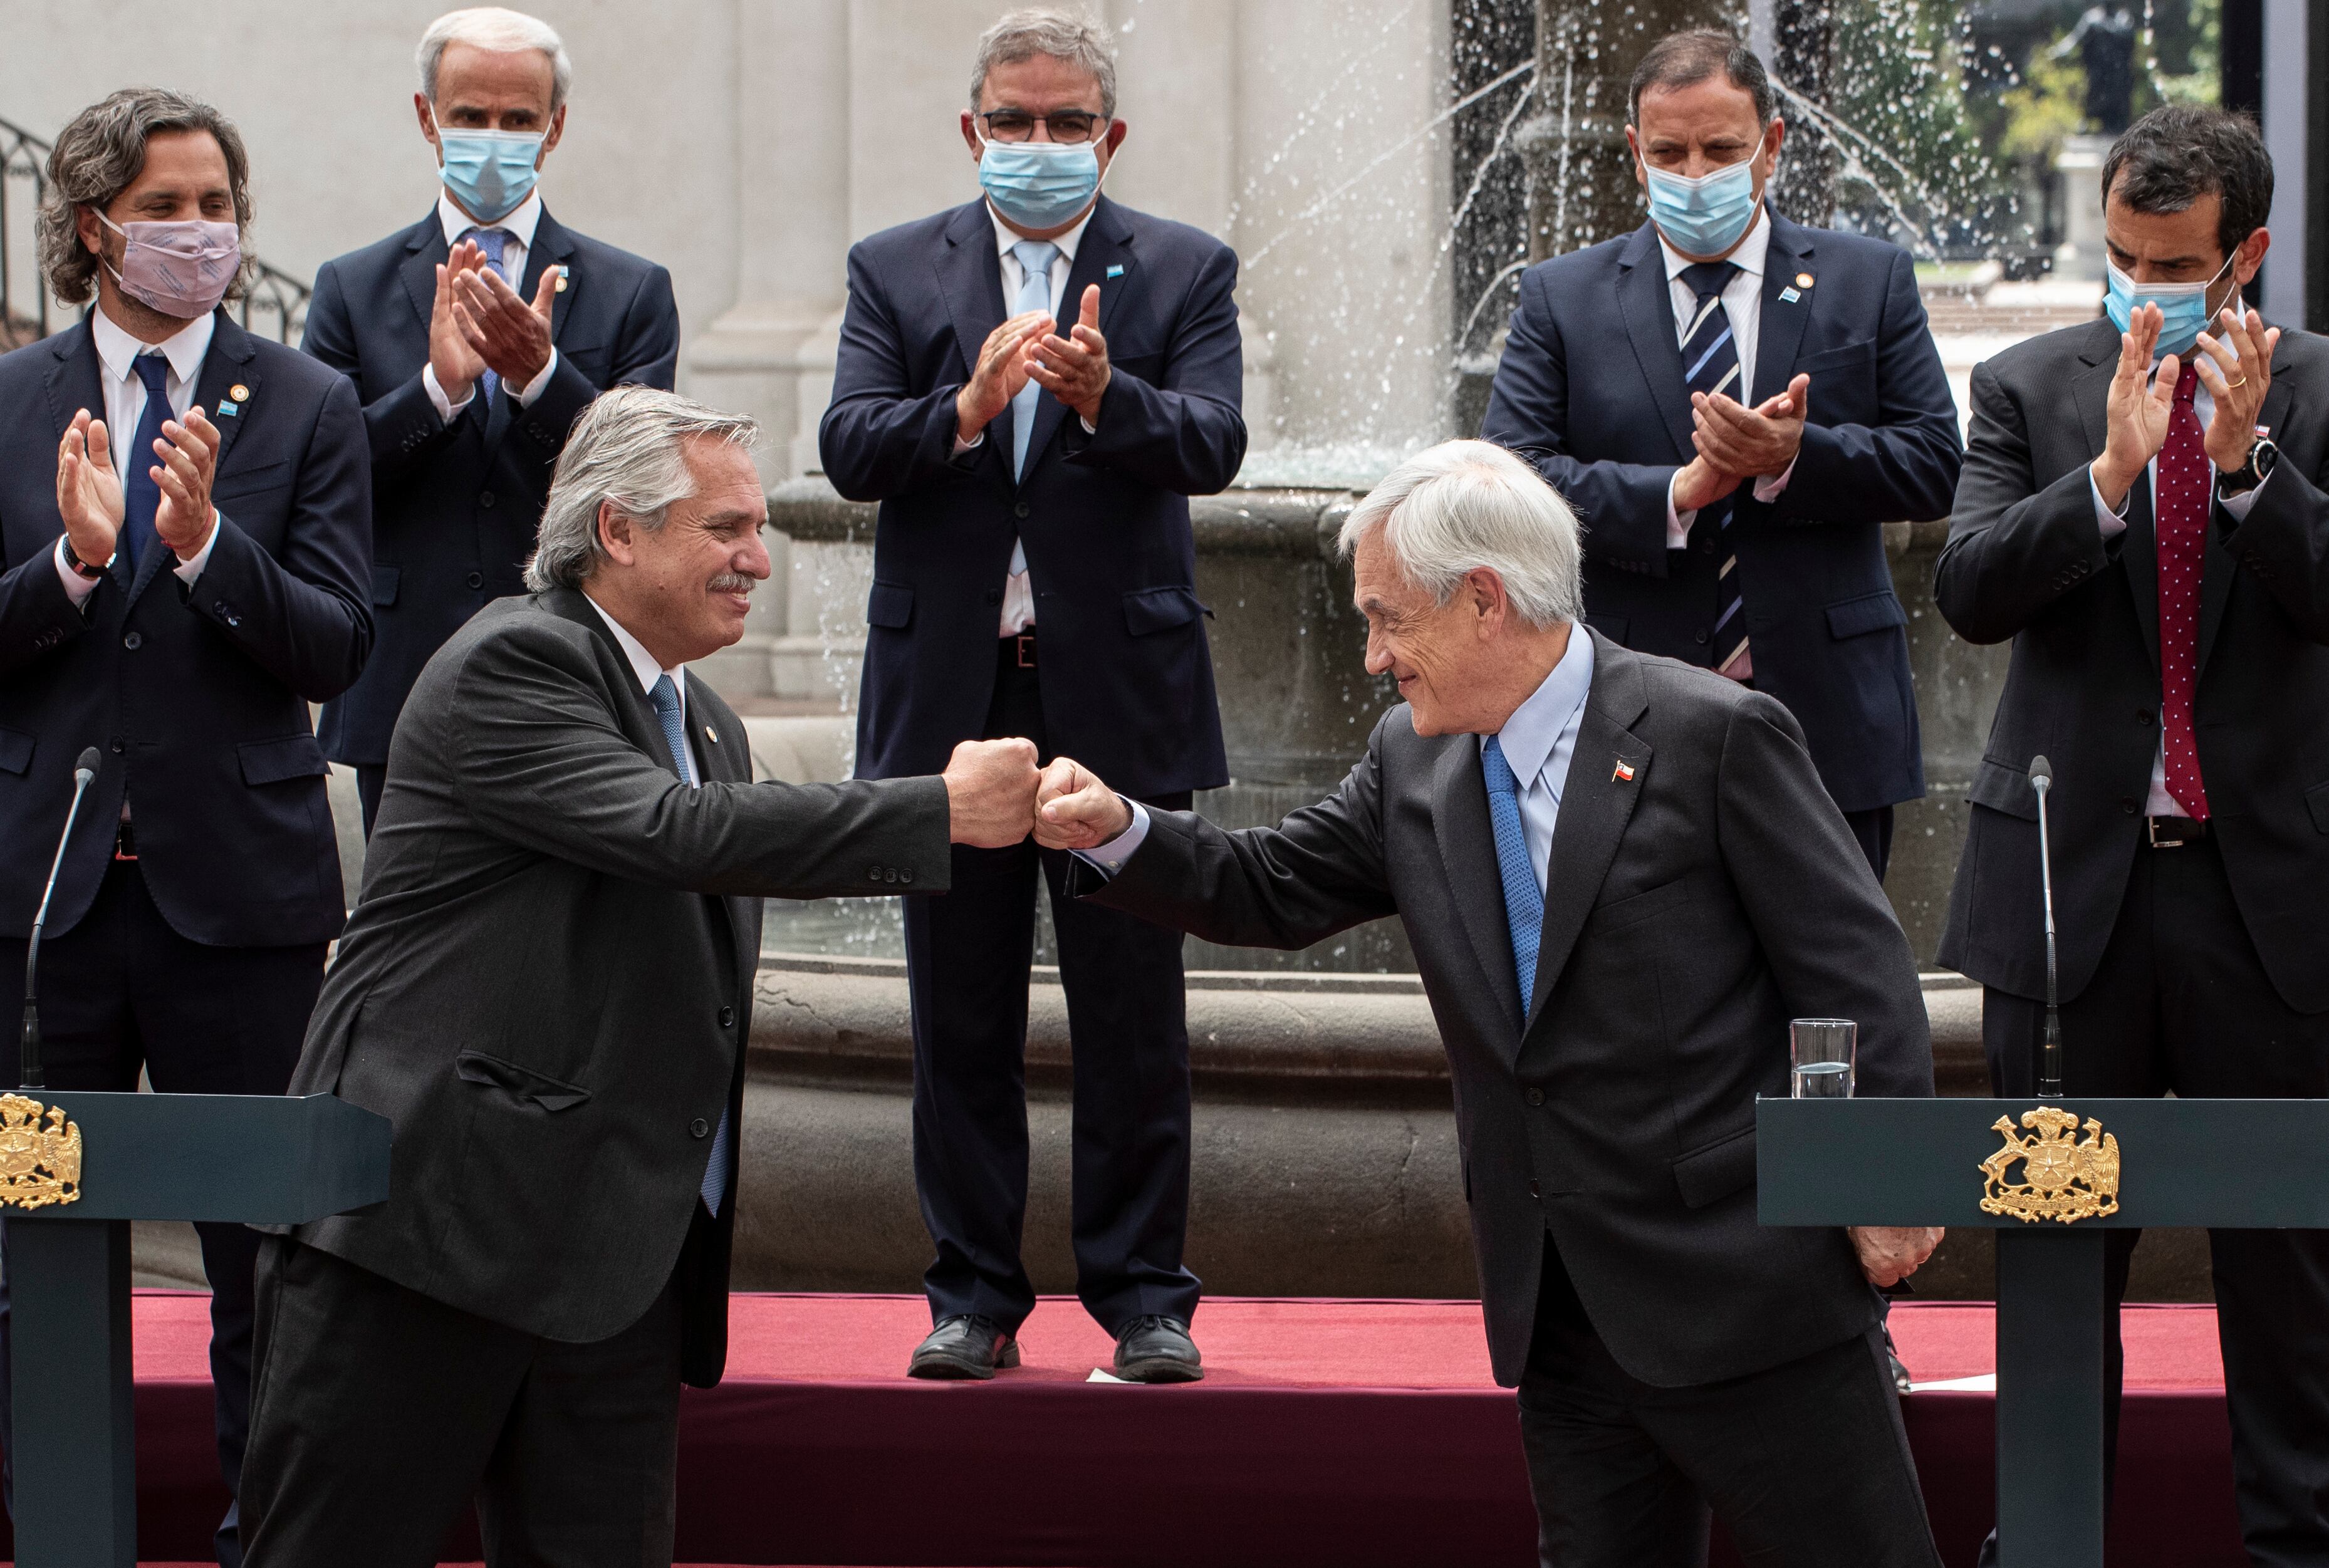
(182,269)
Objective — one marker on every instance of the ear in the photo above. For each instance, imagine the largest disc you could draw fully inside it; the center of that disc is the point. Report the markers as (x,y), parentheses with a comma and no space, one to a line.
(615,535)
(428,117)
(92,231)
(970,134)
(557,129)
(1109,144)
(1489,602)
(1633,146)
(1772,139)
(2248,255)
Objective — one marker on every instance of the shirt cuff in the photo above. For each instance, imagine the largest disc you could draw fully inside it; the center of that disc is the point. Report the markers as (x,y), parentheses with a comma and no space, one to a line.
(2236,507)
(533,388)
(446,409)
(973,444)
(77,587)
(1089,429)
(1109,858)
(1770,488)
(186,571)
(2114,523)
(1677,522)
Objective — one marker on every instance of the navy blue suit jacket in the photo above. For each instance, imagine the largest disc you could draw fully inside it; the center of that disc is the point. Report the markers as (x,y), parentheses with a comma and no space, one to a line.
(1608,427)
(1128,678)
(196,698)
(456,506)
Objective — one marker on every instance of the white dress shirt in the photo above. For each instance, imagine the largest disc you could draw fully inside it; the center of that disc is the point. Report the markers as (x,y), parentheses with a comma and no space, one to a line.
(125,406)
(1742,303)
(1539,742)
(644,666)
(2160,803)
(520,226)
(1018,595)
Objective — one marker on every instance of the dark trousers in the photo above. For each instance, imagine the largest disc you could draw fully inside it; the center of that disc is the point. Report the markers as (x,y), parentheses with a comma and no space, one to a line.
(2181,1004)
(372,779)
(1871,830)
(379,1414)
(122,990)
(967,957)
(1806,1464)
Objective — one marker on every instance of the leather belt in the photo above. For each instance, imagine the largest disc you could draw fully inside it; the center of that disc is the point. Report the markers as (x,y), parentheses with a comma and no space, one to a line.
(1019,650)
(125,842)
(2173,832)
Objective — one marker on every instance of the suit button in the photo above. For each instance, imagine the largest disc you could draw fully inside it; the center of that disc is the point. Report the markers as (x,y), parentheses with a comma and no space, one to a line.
(891,876)
(1020,511)
(477,579)
(1698,635)
(2126,805)
(727,1018)
(133,642)
(699,1128)
(1533,1191)
(2142,716)
(119,748)
(907,875)
(486,498)
(995,596)
(1534,1096)
(872,873)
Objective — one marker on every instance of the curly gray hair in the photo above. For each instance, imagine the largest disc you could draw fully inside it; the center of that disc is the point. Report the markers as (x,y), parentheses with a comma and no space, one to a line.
(628,447)
(101,154)
(1069,36)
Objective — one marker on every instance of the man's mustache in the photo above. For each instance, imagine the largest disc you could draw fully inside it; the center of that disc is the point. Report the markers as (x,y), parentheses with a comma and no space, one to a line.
(731,583)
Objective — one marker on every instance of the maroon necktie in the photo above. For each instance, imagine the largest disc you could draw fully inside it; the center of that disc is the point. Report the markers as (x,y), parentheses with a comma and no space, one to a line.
(2185,488)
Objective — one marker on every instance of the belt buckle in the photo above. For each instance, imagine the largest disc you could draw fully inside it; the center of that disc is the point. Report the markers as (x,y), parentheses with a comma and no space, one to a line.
(2151,830)
(1026,650)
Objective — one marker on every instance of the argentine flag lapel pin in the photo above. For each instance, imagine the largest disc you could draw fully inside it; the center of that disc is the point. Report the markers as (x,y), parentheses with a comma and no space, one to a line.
(231,406)
(1116,269)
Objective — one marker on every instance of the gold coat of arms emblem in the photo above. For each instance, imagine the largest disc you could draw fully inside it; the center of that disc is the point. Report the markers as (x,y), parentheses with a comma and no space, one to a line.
(2063,1178)
(40,1154)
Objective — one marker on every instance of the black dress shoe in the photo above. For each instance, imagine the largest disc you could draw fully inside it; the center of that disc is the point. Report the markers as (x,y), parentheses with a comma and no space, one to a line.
(1157,1350)
(966,1345)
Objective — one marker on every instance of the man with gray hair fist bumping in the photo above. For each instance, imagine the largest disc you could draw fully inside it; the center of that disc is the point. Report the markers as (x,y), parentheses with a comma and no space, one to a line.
(547,988)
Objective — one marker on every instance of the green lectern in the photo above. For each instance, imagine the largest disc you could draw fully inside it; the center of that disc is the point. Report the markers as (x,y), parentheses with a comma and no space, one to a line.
(2049,1176)
(91,1163)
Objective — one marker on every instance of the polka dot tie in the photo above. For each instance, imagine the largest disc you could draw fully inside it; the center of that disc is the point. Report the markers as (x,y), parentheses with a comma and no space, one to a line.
(2185,490)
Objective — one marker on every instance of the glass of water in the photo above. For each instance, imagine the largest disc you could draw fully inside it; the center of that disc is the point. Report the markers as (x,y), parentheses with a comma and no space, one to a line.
(1824,1053)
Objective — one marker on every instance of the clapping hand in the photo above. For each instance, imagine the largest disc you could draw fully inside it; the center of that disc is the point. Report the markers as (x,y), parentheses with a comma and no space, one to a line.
(1763,440)
(2236,367)
(1074,368)
(187,457)
(1075,811)
(500,327)
(1001,372)
(2141,399)
(990,792)
(88,492)
(457,364)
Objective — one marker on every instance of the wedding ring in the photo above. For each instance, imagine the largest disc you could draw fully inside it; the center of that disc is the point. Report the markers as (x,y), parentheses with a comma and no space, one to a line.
(2235,386)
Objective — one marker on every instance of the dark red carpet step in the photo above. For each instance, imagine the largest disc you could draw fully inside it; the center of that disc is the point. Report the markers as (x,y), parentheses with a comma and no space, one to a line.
(1343,1432)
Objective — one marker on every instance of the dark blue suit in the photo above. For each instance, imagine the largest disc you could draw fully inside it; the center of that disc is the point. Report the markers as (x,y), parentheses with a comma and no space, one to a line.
(199,960)
(1608,427)
(456,505)
(1125,684)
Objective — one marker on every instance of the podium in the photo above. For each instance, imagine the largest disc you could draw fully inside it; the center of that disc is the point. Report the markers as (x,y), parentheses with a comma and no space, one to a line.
(251,1159)
(2246,1163)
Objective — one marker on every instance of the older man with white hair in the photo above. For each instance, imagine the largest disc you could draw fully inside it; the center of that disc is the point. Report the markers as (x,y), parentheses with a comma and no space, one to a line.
(473,338)
(1622,878)
(547,988)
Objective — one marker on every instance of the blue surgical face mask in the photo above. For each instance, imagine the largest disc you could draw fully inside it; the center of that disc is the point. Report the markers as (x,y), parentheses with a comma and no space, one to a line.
(490,173)
(1706,215)
(2183,307)
(1040,184)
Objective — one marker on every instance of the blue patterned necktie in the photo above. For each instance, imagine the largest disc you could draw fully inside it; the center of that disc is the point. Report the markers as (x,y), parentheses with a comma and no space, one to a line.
(666,697)
(1709,364)
(141,498)
(1523,899)
(1035,258)
(494,243)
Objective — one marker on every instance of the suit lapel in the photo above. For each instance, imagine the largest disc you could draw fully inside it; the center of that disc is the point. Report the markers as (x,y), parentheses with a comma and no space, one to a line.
(1595,807)
(552,246)
(225,366)
(1468,849)
(725,757)
(2217,568)
(1646,303)
(1780,333)
(2138,552)
(970,280)
(1107,242)
(425,249)
(77,382)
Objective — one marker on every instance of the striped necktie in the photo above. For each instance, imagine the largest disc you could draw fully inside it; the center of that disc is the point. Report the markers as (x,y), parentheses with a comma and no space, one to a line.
(1709,364)
(666,697)
(494,242)
(1523,899)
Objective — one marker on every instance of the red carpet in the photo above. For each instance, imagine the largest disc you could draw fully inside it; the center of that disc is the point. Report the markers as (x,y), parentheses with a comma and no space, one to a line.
(1344,1433)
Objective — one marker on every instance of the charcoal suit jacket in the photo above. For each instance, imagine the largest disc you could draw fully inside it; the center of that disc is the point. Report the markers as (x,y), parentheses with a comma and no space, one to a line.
(195,696)
(2026,560)
(456,505)
(1128,678)
(1692,909)
(547,984)
(1590,389)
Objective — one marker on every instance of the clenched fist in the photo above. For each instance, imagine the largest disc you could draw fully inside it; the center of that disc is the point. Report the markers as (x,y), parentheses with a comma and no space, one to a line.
(1075,811)
(990,792)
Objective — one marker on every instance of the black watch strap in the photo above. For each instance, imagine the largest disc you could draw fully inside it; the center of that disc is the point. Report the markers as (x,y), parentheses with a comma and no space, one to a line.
(80,567)
(2251,474)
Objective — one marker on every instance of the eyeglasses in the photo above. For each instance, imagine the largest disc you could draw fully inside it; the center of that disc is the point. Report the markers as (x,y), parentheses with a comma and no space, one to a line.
(1068,125)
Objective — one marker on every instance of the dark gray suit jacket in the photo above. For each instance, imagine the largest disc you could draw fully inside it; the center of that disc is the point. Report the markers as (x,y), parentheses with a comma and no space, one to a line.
(1691,911)
(2026,559)
(548,983)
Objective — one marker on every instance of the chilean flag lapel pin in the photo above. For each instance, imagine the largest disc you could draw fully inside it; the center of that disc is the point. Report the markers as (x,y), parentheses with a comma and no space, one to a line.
(1624,774)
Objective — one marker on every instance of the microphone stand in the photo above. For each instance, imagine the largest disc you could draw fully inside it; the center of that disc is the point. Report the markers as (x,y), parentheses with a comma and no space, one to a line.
(29,1074)
(2049,1053)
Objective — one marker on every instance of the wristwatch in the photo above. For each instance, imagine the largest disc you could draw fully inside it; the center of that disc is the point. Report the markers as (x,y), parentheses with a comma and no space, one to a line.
(2251,474)
(80,567)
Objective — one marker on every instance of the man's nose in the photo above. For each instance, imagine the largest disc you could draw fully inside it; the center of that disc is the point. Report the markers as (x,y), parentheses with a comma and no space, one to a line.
(752,561)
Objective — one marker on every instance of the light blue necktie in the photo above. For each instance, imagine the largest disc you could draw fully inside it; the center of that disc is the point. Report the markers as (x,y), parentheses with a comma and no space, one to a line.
(1523,899)
(666,697)
(1035,258)
(491,242)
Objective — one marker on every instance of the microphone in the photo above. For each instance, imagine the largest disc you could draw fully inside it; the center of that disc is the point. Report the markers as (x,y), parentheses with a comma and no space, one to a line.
(2050,1053)
(28,1060)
